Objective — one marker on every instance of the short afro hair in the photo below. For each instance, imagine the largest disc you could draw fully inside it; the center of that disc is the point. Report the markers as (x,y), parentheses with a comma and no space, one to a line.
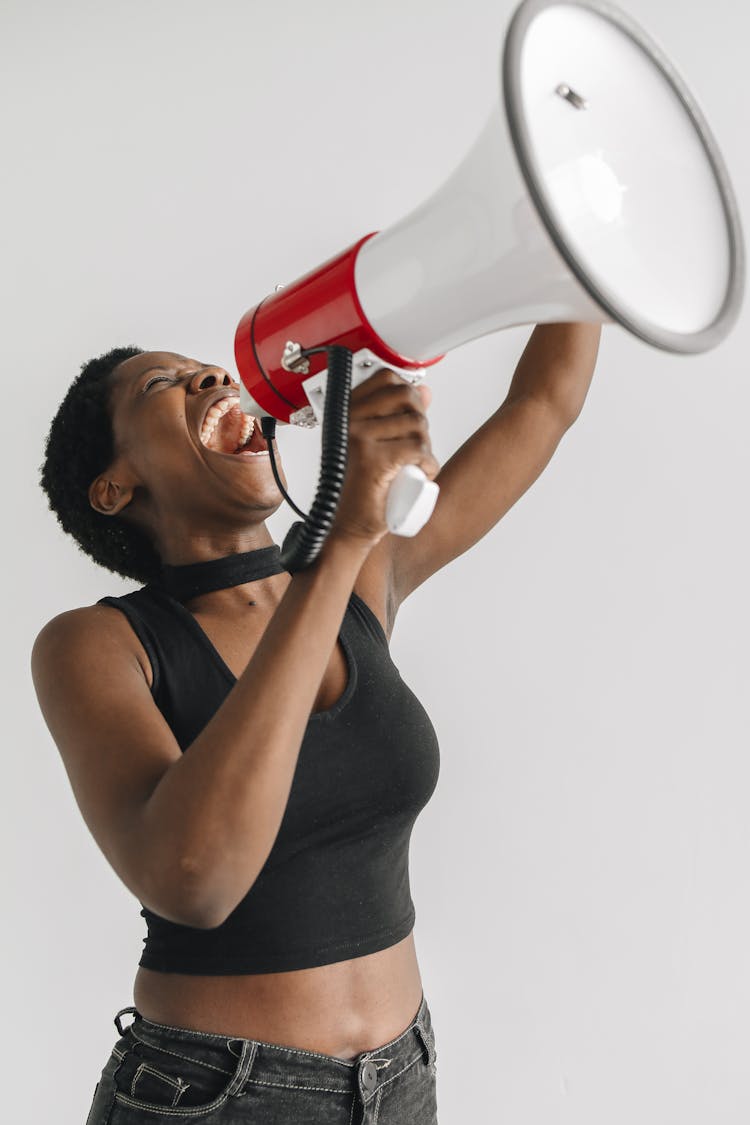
(79,446)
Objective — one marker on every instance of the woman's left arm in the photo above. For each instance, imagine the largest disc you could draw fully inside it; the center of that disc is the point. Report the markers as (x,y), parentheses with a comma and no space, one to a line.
(503,458)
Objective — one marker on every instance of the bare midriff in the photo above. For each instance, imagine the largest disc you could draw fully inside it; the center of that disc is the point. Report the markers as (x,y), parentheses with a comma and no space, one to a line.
(340,1009)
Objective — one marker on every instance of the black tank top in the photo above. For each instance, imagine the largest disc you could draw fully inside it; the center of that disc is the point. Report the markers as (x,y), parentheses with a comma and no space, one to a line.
(336,882)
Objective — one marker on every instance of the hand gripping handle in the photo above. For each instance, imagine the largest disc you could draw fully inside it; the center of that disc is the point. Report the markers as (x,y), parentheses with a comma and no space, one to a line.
(412,496)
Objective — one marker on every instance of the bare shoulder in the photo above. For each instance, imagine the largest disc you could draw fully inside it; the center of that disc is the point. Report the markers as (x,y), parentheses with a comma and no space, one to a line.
(84,635)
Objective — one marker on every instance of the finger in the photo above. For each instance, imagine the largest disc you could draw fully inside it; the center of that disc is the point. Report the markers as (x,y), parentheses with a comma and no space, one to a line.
(392,427)
(383,377)
(392,398)
(426,393)
(429,464)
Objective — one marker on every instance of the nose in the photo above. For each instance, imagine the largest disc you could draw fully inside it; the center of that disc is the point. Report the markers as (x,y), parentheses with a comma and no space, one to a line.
(209,377)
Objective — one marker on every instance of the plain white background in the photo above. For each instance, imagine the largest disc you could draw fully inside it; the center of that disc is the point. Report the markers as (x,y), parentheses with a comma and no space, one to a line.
(580,875)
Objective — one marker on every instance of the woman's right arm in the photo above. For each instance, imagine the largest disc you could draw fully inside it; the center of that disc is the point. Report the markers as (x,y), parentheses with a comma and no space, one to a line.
(188,833)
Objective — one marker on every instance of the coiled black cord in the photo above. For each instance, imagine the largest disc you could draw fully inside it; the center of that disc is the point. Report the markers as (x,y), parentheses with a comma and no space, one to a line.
(304,540)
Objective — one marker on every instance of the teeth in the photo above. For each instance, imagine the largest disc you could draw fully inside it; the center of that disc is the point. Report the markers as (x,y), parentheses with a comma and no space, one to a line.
(217,412)
(248,426)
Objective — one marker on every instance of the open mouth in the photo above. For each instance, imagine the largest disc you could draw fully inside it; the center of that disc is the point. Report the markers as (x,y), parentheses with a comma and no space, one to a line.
(227,429)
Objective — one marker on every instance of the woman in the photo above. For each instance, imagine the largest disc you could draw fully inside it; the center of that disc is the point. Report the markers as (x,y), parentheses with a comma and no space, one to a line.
(239,741)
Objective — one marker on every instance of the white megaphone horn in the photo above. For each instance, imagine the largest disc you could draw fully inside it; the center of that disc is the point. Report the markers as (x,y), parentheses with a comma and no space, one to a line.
(595,192)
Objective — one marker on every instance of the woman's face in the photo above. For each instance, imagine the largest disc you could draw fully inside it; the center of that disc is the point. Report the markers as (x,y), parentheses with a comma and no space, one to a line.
(184,451)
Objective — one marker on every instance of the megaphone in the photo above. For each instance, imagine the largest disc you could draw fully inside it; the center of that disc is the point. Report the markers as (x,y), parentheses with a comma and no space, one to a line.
(595,192)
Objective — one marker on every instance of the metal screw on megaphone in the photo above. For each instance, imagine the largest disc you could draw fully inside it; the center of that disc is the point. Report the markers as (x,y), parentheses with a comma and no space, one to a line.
(571,96)
(293,359)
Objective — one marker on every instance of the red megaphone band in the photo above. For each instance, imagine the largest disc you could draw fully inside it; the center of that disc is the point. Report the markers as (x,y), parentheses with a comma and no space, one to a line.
(319,309)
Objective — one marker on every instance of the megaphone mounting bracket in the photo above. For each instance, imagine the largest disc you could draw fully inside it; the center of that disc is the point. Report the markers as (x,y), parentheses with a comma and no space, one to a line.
(363,361)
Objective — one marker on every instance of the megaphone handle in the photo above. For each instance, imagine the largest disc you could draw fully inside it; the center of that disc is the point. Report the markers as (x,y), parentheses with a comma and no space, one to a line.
(411,500)
(411,496)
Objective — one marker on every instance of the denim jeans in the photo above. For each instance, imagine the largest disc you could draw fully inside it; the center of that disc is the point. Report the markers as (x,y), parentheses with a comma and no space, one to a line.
(157,1074)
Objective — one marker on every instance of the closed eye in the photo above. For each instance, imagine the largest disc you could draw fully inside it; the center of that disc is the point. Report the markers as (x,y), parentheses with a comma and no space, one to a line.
(156,379)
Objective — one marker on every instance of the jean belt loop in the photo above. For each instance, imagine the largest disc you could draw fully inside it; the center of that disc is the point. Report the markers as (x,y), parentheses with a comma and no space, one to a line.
(122,1012)
(426,1041)
(244,1066)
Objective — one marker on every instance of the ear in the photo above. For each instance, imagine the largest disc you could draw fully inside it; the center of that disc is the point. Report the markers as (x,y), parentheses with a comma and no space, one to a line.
(110,492)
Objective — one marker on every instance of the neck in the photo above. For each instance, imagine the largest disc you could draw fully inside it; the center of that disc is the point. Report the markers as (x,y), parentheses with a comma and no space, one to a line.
(203,547)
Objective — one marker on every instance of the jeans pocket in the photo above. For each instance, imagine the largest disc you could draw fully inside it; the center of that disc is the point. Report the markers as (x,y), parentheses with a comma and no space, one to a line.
(154,1086)
(177,1078)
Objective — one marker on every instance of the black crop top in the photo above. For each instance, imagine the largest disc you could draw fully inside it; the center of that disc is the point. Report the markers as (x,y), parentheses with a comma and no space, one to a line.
(336,882)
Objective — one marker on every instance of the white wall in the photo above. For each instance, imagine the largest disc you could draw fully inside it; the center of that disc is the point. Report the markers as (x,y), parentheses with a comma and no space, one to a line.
(583,910)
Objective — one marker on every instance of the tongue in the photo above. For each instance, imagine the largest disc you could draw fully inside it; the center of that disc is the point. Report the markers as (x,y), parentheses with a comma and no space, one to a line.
(228,432)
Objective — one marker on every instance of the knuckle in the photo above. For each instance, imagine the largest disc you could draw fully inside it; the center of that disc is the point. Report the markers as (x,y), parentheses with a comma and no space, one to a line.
(413,395)
(415,416)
